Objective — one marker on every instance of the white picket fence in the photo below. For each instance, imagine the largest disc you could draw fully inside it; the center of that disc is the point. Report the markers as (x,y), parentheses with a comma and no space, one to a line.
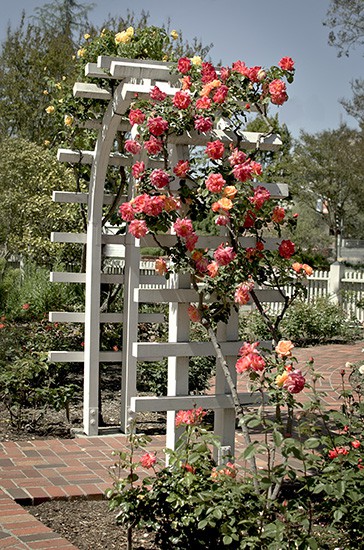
(343,285)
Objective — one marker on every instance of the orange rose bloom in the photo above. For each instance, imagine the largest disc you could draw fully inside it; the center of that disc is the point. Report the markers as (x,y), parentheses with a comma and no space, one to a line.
(222,204)
(297,267)
(207,89)
(307,269)
(284,348)
(230,191)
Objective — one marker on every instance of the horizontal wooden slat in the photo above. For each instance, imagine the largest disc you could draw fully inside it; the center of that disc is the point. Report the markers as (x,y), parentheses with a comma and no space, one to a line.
(208,241)
(79,317)
(167,295)
(151,350)
(248,139)
(87,157)
(142,70)
(185,402)
(78,356)
(59,237)
(81,198)
(90,91)
(70,277)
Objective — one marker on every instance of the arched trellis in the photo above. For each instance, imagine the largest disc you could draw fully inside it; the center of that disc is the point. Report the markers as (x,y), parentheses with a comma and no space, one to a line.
(133,77)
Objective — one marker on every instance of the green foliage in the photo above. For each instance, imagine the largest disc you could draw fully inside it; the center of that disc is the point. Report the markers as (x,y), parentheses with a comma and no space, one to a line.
(33,383)
(312,502)
(305,323)
(28,175)
(29,294)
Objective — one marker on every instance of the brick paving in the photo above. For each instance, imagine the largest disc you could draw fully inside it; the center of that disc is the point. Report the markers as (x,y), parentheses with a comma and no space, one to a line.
(34,471)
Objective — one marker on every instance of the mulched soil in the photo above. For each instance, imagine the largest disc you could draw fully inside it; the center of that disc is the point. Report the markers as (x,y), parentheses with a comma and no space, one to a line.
(85,523)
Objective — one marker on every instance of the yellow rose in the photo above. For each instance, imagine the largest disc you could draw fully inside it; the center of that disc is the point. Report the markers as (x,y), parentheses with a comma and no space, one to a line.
(281,378)
(196,60)
(174,34)
(165,57)
(45,92)
(64,78)
(81,52)
(58,85)
(86,36)
(68,120)
(50,110)
(47,142)
(124,37)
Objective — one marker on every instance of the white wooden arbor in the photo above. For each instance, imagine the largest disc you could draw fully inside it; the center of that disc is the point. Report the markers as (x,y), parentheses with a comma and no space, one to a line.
(133,77)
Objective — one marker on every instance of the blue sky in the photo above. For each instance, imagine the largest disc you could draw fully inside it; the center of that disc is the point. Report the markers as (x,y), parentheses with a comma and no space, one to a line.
(259,33)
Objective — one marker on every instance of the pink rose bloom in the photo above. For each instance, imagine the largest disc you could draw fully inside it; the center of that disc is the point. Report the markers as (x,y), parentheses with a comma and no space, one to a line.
(138,170)
(215,183)
(253,73)
(208,73)
(240,67)
(261,195)
(224,255)
(295,382)
(181,99)
(242,293)
(159,178)
(25,306)
(183,227)
(148,460)
(136,116)
(157,125)
(191,241)
(256,168)
(139,202)
(157,94)
(286,63)
(153,146)
(203,103)
(126,212)
(184,65)
(247,348)
(237,157)
(221,94)
(243,172)
(194,314)
(252,361)
(224,73)
(181,168)
(215,149)
(153,205)
(277,90)
(190,418)
(286,249)
(132,146)
(138,228)
(203,124)
(278,214)
(213,269)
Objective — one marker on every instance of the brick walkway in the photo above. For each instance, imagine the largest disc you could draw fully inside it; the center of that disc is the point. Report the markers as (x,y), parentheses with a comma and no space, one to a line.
(38,470)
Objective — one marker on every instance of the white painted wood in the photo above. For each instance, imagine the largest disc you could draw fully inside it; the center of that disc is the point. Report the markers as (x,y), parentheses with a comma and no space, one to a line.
(88,90)
(81,198)
(79,357)
(142,70)
(104,61)
(79,317)
(150,350)
(58,237)
(248,142)
(210,241)
(165,295)
(167,403)
(87,157)
(130,328)
(71,277)
(93,71)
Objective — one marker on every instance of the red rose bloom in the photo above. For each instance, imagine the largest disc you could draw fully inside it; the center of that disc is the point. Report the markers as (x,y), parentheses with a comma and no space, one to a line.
(286,63)
(286,249)
(157,126)
(184,65)
(181,99)
(215,149)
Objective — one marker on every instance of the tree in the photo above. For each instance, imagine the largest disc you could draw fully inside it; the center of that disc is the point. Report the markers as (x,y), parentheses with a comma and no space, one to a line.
(28,57)
(28,175)
(67,17)
(346,20)
(327,176)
